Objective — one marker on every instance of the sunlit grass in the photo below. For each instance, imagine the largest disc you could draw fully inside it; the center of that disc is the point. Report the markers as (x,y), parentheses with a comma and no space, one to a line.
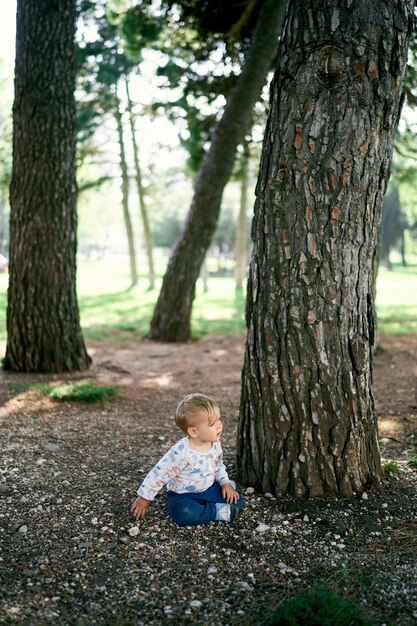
(109,307)
(396,300)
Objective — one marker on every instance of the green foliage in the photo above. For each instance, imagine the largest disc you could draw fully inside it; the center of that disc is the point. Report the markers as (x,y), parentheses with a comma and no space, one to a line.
(84,391)
(413,461)
(321,607)
(391,466)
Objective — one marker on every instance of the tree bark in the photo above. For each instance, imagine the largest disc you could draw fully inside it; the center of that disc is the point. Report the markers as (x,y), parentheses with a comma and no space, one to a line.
(241,234)
(125,195)
(141,193)
(171,319)
(307,421)
(44,333)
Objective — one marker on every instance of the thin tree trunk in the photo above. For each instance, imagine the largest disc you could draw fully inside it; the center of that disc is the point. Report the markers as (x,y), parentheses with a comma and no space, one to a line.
(43,325)
(242,225)
(307,422)
(403,258)
(204,274)
(171,319)
(2,220)
(141,193)
(125,195)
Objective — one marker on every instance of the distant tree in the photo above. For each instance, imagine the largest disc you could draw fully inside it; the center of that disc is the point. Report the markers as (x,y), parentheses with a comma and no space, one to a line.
(242,224)
(394,224)
(171,319)
(307,420)
(43,325)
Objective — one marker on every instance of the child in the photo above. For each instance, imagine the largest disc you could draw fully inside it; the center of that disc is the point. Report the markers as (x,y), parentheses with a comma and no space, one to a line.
(199,489)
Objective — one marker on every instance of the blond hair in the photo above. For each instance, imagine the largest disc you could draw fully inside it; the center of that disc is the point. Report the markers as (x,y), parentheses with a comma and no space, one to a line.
(190,408)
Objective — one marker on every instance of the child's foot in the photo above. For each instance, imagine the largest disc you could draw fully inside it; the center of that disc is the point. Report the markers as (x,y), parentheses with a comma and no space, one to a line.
(234,512)
(226,512)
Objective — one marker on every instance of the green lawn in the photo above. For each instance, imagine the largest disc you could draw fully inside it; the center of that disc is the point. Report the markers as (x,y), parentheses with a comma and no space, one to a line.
(108,306)
(396,300)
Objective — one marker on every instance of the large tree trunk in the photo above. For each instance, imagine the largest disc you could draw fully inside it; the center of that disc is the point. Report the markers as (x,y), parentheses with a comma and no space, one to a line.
(307,423)
(171,319)
(125,195)
(141,193)
(43,324)
(241,232)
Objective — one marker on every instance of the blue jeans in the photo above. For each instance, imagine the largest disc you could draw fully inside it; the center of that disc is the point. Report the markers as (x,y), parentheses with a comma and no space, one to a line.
(192,509)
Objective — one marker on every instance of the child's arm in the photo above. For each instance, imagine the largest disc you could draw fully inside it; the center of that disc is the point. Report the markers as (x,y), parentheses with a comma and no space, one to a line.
(228,492)
(169,466)
(139,507)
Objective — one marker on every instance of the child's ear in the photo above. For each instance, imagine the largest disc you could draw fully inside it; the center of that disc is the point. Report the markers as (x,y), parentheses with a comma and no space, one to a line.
(191,430)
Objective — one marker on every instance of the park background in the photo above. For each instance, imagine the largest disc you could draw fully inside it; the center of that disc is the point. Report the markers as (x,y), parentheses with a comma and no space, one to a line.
(75,557)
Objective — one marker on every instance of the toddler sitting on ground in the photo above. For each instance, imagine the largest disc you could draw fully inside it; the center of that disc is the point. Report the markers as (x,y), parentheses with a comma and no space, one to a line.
(199,489)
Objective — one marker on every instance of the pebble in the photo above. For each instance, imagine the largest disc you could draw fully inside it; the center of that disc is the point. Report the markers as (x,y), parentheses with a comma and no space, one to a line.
(385,505)
(249,490)
(23,529)
(133,531)
(306,518)
(94,521)
(243,585)
(262,528)
(364,496)
(195,604)
(269,496)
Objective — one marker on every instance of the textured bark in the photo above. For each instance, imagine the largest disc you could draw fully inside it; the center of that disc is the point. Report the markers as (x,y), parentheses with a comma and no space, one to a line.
(171,319)
(141,193)
(307,423)
(43,325)
(241,233)
(125,196)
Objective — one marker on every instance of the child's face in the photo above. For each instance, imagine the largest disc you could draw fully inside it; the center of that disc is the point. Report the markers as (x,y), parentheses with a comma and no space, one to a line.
(203,430)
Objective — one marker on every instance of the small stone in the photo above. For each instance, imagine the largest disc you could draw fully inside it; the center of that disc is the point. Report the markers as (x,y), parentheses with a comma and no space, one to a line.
(244,586)
(23,529)
(306,518)
(269,496)
(94,521)
(249,490)
(212,570)
(385,505)
(133,531)
(195,604)
(262,528)
(364,496)
(51,447)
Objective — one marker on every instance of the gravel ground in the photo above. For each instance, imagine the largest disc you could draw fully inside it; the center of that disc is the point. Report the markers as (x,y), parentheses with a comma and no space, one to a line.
(71,554)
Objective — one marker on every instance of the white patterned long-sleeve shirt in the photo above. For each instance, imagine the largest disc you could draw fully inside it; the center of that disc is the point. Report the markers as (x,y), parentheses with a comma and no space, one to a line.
(184,470)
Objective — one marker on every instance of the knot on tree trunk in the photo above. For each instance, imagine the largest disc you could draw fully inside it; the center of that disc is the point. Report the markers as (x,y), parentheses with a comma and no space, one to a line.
(332,65)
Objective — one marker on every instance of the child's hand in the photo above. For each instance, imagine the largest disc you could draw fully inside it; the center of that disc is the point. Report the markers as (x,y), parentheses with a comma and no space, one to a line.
(229,494)
(139,507)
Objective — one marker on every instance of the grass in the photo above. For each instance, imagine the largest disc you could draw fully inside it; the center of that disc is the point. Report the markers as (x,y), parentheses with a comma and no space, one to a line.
(109,307)
(83,391)
(321,607)
(396,300)
(413,461)
(391,466)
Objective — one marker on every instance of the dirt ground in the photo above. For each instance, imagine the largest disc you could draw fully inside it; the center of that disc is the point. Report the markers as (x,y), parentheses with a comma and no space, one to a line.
(69,473)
